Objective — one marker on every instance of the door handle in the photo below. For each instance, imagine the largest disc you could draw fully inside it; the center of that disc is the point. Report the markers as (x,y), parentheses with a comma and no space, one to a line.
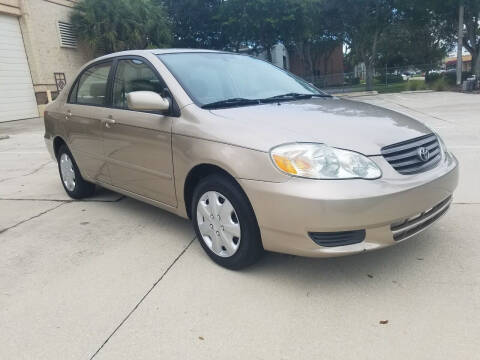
(68,115)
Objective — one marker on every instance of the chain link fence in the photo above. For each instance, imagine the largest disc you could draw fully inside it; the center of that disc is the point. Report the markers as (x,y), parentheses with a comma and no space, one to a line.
(390,79)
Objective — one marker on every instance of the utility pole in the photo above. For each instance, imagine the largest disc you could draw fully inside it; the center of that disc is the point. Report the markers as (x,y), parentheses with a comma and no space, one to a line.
(461,11)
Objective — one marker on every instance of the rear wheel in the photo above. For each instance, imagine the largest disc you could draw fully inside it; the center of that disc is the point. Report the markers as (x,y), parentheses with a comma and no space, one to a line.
(72,181)
(225,223)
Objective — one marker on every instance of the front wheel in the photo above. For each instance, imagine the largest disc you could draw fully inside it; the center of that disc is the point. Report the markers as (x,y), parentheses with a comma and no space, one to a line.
(225,223)
(72,181)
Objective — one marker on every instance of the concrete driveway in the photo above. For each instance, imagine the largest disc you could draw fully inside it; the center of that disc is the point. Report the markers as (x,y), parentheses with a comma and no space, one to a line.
(113,278)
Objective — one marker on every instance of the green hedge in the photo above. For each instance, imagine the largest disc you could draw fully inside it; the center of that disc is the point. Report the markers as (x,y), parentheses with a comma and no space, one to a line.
(432,77)
(449,78)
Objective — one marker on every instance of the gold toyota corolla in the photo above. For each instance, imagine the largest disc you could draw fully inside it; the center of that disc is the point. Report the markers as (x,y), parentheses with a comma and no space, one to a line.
(256,157)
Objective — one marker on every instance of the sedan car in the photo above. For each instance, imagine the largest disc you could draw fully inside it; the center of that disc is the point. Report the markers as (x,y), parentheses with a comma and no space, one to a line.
(257,158)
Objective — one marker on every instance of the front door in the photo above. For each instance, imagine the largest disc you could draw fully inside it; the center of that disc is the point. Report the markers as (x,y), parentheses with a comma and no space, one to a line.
(138,144)
(85,112)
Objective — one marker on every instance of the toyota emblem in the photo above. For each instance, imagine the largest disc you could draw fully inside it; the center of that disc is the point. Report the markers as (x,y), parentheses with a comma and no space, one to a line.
(424,154)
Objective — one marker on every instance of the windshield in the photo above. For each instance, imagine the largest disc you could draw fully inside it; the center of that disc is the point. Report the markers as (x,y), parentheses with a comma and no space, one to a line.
(216,77)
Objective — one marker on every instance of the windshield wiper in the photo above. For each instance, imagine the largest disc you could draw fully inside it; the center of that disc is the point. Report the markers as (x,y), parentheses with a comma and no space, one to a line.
(293,96)
(243,101)
(230,103)
(322,95)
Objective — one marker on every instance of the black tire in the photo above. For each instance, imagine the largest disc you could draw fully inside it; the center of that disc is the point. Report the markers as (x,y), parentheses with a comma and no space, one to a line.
(82,187)
(250,248)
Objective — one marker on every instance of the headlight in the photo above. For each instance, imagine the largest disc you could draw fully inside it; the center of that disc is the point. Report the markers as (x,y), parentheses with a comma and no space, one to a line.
(318,161)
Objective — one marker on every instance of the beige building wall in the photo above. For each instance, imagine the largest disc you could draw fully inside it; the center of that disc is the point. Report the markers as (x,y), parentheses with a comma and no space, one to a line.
(10,7)
(38,21)
(46,56)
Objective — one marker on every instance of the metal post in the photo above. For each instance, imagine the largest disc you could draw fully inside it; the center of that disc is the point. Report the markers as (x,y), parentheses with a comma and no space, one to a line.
(460,44)
(386,75)
(49,96)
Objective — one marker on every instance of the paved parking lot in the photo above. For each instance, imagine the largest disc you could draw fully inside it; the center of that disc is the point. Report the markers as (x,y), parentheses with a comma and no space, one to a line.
(113,278)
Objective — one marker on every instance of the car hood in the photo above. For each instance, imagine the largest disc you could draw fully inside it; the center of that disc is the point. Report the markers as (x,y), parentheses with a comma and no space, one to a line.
(336,122)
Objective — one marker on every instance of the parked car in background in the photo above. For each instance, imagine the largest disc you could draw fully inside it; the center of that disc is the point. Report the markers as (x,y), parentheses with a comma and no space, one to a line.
(257,158)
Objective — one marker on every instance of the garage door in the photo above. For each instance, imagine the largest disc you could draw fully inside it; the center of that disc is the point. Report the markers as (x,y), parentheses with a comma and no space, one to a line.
(17,98)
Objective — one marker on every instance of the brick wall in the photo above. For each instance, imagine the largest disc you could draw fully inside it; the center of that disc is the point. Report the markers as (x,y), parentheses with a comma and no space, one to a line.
(324,64)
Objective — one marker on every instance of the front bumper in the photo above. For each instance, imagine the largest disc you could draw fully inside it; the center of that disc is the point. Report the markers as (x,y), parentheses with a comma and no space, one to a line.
(287,212)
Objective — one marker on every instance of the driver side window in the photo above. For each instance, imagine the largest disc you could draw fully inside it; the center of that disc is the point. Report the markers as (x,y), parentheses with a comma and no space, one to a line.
(134,75)
(91,88)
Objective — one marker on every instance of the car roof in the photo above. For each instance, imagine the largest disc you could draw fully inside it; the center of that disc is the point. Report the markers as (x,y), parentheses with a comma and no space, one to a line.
(173,51)
(157,52)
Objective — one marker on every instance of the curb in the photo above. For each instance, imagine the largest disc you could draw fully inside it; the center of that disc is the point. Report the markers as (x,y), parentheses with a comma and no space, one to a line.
(356,94)
(417,91)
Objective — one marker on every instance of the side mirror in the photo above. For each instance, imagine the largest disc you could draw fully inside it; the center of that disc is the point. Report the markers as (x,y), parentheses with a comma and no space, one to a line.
(147,101)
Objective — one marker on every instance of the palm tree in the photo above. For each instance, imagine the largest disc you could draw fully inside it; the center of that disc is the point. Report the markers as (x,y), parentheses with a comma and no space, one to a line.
(114,25)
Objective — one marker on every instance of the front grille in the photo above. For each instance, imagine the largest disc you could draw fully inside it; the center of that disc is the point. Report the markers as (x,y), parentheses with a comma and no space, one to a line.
(405,156)
(341,238)
(413,225)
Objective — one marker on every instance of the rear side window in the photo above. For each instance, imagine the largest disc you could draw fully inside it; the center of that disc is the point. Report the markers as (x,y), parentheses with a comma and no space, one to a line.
(91,88)
(134,75)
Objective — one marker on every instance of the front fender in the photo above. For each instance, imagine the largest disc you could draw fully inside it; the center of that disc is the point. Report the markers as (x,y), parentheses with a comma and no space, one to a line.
(241,163)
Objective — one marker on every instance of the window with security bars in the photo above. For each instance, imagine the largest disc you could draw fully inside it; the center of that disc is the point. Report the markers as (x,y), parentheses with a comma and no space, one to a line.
(67,35)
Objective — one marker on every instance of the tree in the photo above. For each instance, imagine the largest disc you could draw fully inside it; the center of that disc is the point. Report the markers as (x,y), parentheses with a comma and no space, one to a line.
(364,23)
(310,33)
(416,36)
(260,24)
(471,40)
(195,23)
(253,23)
(447,13)
(115,25)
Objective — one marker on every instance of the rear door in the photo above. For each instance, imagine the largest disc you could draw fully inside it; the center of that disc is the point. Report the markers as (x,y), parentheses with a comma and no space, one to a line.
(138,145)
(85,112)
